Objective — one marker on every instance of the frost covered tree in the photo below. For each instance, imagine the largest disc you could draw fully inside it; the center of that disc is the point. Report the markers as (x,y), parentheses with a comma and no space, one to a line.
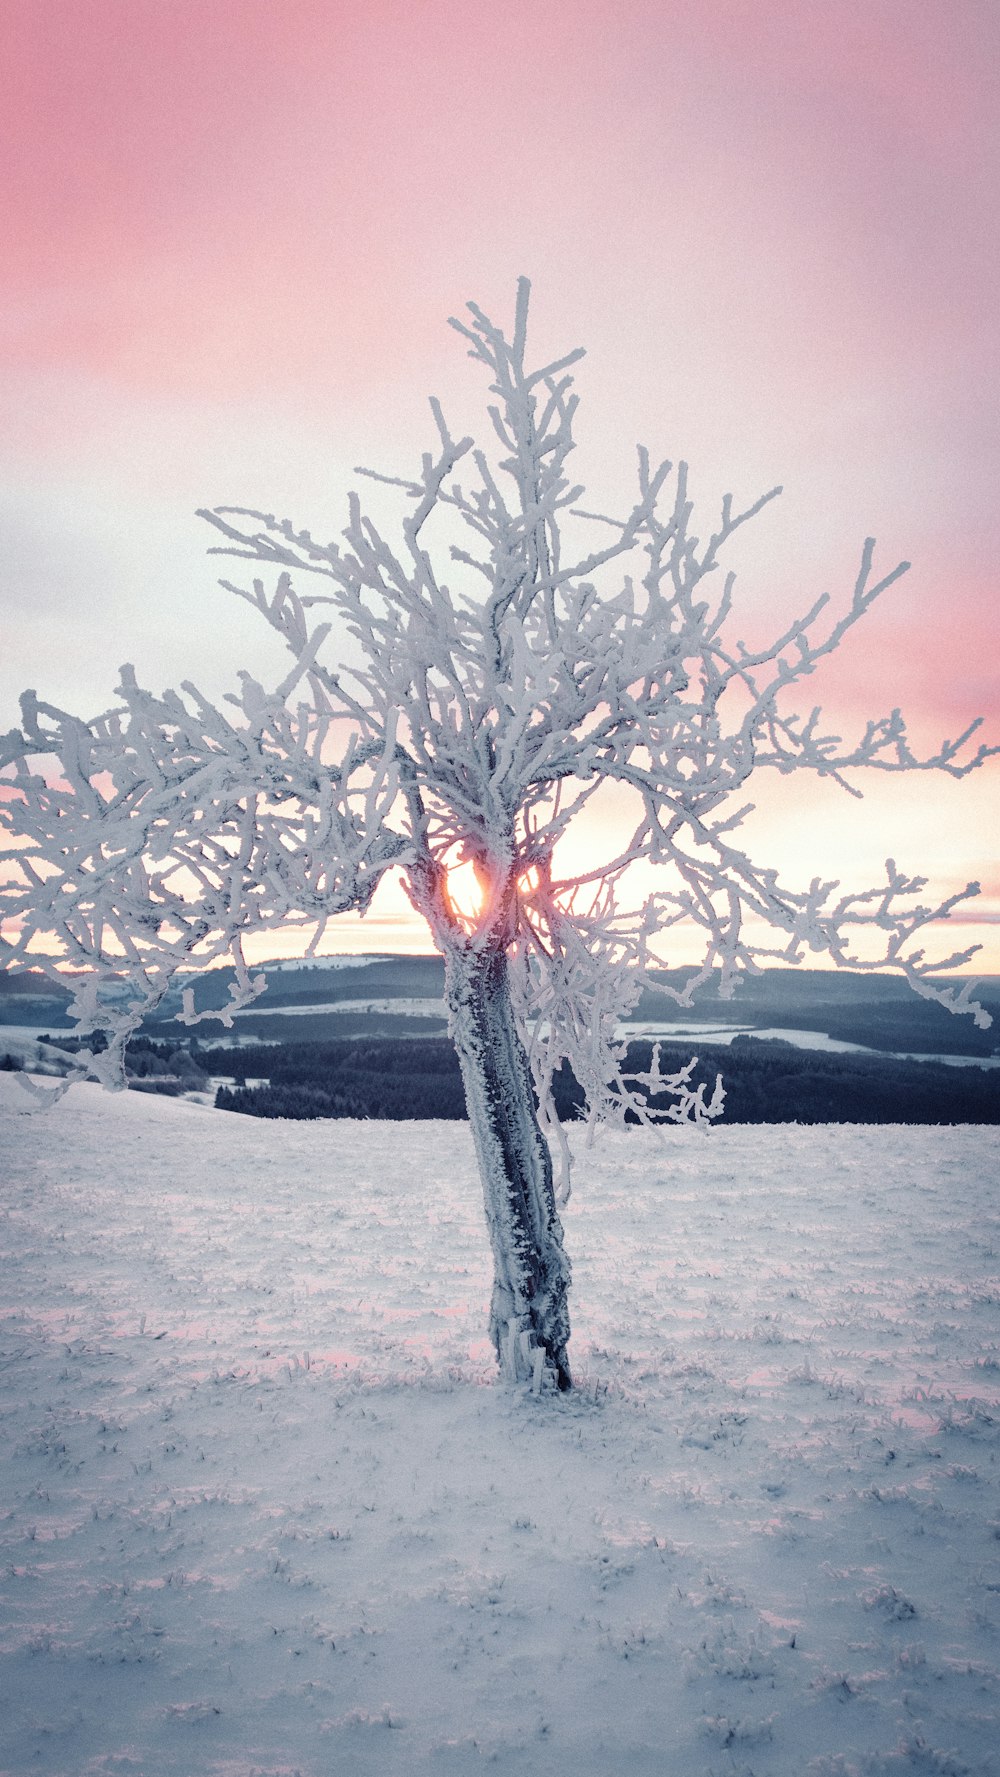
(457,697)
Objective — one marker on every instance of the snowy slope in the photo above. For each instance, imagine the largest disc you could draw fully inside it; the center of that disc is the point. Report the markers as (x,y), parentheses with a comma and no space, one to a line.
(264,1509)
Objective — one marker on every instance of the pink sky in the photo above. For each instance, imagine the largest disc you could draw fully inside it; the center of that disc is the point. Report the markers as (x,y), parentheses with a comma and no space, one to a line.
(234,231)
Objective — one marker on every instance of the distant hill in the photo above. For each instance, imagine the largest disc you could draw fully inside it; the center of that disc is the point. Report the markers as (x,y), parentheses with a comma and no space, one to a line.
(402,996)
(876,1011)
(28,997)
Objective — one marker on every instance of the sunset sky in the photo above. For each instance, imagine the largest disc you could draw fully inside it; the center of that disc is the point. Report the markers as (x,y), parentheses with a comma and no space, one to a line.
(234,231)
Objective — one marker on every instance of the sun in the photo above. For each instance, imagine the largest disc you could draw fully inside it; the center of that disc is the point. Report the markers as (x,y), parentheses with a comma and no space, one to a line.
(466,893)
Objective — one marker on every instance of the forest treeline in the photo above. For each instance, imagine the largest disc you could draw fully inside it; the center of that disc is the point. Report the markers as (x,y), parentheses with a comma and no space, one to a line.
(765,1082)
(396,1079)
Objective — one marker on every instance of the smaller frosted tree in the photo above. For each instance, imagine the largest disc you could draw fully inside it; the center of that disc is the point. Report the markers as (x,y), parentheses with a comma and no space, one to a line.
(466,724)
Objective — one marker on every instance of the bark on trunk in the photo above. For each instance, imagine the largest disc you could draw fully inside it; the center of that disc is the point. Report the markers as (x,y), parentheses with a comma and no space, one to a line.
(529,1318)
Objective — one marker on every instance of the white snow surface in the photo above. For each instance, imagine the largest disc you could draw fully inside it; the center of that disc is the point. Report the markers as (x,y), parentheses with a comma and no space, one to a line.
(415,1007)
(266,1510)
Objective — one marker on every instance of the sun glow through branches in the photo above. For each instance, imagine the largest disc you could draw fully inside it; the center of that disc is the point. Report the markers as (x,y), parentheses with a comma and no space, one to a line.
(466,893)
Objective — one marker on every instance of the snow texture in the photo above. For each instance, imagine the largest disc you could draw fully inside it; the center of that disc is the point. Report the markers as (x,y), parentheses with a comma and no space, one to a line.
(267,1509)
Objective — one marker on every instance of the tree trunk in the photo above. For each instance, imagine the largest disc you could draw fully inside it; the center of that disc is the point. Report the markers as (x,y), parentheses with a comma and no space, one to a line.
(529,1318)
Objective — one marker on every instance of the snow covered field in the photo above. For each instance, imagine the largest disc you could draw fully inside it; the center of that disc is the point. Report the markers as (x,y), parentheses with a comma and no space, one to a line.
(265,1510)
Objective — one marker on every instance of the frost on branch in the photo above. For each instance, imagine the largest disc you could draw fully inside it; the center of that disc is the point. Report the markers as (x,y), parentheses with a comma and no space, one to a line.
(156,836)
(476,719)
(459,694)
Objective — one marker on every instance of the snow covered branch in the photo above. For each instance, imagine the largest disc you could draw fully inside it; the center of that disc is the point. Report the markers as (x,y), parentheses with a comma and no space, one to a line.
(457,694)
(168,831)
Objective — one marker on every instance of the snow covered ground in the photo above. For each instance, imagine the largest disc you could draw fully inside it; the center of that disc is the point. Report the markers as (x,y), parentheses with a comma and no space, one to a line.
(264,1509)
(414,1007)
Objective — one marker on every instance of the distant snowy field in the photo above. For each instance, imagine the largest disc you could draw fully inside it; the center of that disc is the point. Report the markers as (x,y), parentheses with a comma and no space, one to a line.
(264,1509)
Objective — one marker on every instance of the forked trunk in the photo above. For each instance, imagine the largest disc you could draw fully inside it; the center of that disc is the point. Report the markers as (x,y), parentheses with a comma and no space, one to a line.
(529,1318)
